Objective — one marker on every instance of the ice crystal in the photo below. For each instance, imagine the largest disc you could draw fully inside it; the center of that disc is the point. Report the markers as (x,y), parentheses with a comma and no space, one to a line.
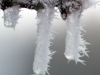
(43,53)
(75,44)
(71,12)
(11,15)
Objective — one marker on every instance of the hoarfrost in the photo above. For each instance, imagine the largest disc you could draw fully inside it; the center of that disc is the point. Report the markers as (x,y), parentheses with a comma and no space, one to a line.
(11,15)
(43,53)
(75,44)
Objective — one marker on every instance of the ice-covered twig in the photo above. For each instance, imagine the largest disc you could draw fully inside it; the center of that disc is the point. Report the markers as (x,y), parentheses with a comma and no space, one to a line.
(75,44)
(11,15)
(43,54)
(71,12)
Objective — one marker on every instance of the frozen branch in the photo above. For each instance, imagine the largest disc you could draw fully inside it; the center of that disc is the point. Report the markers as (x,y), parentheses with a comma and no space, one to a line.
(75,44)
(43,54)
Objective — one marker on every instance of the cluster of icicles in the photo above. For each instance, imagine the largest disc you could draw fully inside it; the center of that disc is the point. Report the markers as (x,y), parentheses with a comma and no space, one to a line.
(75,44)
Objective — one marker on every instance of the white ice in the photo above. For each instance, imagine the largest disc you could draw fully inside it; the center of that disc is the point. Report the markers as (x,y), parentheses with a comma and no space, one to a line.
(43,54)
(75,44)
(11,16)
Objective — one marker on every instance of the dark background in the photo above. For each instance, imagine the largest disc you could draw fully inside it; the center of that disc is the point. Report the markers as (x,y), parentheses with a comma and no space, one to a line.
(17,46)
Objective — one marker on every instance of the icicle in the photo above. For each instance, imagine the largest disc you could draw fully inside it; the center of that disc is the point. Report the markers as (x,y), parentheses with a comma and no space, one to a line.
(43,53)
(11,15)
(75,44)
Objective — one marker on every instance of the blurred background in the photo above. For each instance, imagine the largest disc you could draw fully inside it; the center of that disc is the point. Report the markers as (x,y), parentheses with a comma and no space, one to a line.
(17,46)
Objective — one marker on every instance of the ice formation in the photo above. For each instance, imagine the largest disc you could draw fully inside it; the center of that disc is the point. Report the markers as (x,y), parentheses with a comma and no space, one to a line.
(71,12)
(75,44)
(43,53)
(11,15)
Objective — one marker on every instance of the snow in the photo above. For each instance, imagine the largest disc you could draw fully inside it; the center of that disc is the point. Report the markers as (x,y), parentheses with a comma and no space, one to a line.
(43,54)
(11,15)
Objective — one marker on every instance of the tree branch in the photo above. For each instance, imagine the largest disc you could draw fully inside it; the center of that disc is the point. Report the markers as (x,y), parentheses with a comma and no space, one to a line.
(64,10)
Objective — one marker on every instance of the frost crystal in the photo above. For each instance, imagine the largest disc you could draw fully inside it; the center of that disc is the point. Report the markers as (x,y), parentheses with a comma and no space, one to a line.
(70,12)
(43,53)
(75,44)
(11,15)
